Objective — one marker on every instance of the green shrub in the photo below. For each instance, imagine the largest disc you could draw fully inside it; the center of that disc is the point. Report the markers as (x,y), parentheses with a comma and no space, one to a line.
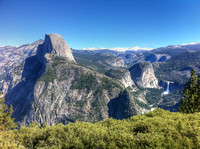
(156,129)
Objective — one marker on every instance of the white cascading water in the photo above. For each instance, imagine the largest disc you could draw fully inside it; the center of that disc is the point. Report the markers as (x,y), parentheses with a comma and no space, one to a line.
(167,90)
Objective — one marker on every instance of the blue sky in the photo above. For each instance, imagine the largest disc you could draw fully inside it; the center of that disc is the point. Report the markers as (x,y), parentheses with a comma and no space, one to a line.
(101,23)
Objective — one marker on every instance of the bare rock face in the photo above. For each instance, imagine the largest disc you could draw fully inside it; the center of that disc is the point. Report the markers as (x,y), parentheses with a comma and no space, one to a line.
(122,75)
(143,75)
(54,44)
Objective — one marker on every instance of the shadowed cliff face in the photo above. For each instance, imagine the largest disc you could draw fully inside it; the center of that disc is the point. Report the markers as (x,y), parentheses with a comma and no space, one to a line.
(123,106)
(54,89)
(22,95)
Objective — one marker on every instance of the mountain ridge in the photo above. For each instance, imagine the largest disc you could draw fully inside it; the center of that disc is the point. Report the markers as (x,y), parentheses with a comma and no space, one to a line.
(52,88)
(61,79)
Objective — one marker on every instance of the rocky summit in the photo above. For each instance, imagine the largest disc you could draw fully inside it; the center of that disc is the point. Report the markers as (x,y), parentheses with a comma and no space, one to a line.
(54,44)
(143,75)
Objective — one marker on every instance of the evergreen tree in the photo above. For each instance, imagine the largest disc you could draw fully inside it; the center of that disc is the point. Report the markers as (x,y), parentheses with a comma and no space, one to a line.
(6,122)
(197,106)
(190,100)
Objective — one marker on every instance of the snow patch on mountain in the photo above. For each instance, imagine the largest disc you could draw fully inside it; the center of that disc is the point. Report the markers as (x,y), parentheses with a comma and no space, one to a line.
(184,45)
(192,43)
(121,49)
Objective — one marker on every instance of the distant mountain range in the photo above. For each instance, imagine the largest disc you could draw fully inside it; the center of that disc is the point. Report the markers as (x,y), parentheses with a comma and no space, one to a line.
(189,46)
(120,49)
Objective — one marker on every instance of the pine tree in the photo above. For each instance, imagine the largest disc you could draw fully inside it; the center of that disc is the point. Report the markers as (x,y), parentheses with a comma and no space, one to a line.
(6,122)
(197,102)
(191,95)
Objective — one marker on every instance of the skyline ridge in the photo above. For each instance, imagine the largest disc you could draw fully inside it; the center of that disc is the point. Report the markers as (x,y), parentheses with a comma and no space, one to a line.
(120,49)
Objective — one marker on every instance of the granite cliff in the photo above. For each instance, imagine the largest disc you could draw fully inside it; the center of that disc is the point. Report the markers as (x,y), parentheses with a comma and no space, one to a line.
(122,75)
(50,87)
(143,75)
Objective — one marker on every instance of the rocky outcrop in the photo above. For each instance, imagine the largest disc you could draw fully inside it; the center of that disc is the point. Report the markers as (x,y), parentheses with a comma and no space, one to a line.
(123,75)
(143,75)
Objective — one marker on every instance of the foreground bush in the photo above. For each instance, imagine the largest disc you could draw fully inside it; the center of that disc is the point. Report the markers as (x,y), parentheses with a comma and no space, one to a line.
(156,129)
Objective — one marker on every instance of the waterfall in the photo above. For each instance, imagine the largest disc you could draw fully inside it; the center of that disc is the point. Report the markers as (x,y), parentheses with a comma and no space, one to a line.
(167,89)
